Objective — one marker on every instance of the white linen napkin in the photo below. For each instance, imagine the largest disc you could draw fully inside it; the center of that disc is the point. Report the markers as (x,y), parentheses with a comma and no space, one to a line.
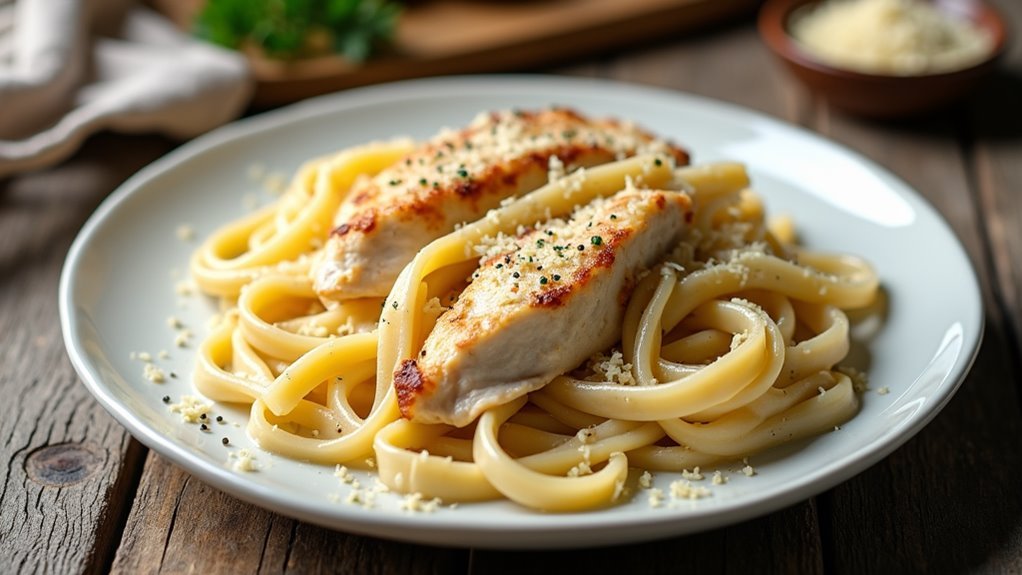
(69,68)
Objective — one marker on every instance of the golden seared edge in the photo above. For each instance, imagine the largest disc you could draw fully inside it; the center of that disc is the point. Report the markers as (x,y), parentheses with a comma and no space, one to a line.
(457,177)
(538,306)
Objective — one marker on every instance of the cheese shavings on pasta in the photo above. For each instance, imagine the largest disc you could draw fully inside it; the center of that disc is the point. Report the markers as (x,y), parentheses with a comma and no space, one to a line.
(729,342)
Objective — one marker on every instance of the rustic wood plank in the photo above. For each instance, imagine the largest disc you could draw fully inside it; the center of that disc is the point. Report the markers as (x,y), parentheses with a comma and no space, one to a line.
(68,468)
(700,553)
(788,541)
(318,550)
(784,542)
(996,135)
(179,524)
(935,504)
(727,63)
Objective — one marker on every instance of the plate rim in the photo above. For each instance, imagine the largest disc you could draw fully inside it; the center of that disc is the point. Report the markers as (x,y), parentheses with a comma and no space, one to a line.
(588,532)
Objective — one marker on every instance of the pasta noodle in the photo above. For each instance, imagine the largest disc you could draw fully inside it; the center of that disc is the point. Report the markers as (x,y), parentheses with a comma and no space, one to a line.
(728,347)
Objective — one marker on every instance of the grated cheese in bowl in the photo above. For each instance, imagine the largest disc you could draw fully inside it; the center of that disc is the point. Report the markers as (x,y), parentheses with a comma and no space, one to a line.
(890,37)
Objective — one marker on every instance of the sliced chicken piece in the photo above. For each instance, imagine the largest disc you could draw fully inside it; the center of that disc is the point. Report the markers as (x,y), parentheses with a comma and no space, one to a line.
(455,178)
(538,306)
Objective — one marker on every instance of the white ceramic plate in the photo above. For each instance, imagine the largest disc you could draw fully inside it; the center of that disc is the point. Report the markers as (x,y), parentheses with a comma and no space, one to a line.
(117,292)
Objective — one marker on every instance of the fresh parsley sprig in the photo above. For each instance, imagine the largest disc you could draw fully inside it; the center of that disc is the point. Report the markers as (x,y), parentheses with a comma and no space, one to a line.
(291,29)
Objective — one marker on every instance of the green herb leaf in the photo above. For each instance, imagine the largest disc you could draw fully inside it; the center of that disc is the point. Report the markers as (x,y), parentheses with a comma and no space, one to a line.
(287,29)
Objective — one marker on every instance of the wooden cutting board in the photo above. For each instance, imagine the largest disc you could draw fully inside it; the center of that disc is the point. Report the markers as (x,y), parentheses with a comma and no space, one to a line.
(437,37)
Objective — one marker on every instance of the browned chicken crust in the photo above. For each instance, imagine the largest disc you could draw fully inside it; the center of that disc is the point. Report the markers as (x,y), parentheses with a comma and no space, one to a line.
(538,306)
(457,177)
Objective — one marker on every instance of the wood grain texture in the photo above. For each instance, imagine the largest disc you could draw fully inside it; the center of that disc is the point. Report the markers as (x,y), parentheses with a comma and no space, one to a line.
(66,519)
(995,135)
(700,553)
(727,63)
(178,524)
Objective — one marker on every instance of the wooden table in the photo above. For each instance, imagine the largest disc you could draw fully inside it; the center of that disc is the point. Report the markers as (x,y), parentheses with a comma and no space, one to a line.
(80,495)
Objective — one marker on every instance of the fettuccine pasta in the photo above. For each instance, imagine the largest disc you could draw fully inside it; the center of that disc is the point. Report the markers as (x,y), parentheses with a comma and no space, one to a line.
(729,343)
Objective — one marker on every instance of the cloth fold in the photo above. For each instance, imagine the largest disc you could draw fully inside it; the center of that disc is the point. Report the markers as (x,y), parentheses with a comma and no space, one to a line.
(64,76)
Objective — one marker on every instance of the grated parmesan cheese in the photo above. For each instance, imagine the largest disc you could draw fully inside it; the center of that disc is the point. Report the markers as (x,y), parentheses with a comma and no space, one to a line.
(416,502)
(892,37)
(153,373)
(611,369)
(190,407)
(693,475)
(579,470)
(682,489)
(645,480)
(555,169)
(433,308)
(656,497)
(182,337)
(354,497)
(244,460)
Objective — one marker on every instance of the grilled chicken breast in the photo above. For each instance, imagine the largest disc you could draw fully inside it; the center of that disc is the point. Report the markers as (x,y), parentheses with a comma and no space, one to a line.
(538,306)
(457,177)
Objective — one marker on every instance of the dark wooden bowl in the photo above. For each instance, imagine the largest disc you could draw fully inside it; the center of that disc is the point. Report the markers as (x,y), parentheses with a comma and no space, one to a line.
(876,95)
